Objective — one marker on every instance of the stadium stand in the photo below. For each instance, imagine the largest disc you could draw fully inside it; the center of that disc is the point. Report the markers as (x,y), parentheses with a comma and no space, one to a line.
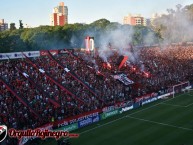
(33,91)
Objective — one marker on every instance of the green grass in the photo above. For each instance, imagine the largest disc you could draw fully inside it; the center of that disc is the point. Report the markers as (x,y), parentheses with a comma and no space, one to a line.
(165,122)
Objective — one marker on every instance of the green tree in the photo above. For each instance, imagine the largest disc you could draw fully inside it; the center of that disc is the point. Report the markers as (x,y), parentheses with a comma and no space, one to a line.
(101,23)
(12,26)
(69,36)
(189,10)
(20,24)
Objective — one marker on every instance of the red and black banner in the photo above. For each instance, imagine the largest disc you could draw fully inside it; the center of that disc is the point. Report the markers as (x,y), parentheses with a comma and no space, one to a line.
(125,58)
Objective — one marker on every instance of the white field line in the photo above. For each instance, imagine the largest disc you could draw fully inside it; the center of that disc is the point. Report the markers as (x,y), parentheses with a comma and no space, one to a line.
(173,105)
(159,123)
(154,105)
(189,95)
(99,126)
(110,122)
(180,105)
(189,105)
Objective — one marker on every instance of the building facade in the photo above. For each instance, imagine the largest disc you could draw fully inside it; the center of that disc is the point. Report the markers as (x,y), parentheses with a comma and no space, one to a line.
(59,17)
(134,20)
(3,25)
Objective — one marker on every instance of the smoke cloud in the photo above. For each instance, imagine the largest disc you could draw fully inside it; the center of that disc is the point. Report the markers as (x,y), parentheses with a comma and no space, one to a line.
(176,26)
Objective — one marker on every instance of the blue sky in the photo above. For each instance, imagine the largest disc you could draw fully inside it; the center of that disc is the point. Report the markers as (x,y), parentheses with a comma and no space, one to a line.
(36,12)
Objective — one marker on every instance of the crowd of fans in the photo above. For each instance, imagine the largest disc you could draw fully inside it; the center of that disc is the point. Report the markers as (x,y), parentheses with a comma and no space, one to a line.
(73,83)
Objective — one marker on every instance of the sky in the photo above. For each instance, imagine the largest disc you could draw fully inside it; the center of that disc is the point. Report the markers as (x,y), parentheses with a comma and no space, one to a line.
(37,12)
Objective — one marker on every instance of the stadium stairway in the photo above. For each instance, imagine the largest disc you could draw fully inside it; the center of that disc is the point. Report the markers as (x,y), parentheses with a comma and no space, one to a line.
(22,100)
(39,88)
(54,81)
(76,77)
(73,54)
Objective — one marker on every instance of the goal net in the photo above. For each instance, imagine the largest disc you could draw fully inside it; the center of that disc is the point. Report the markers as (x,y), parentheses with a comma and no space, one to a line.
(181,88)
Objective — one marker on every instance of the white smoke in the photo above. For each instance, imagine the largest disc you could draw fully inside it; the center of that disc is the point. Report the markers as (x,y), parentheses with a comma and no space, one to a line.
(119,39)
(177,26)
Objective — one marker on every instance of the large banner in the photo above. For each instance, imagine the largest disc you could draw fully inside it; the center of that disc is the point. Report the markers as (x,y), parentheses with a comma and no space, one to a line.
(16,55)
(123,78)
(77,118)
(149,100)
(116,106)
(109,108)
(70,127)
(147,96)
(109,114)
(88,120)
(124,109)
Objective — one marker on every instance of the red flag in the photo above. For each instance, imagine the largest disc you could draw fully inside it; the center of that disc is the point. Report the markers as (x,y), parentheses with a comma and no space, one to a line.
(123,61)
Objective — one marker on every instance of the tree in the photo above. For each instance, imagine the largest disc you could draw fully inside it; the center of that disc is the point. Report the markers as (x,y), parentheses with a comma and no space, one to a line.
(12,26)
(20,24)
(72,36)
(101,23)
(189,10)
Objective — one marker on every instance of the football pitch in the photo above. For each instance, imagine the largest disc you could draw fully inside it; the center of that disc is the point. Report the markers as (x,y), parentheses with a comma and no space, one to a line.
(164,122)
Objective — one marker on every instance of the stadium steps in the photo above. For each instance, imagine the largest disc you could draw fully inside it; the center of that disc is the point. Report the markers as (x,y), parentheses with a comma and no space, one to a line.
(99,74)
(54,81)
(39,88)
(72,54)
(76,77)
(22,100)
